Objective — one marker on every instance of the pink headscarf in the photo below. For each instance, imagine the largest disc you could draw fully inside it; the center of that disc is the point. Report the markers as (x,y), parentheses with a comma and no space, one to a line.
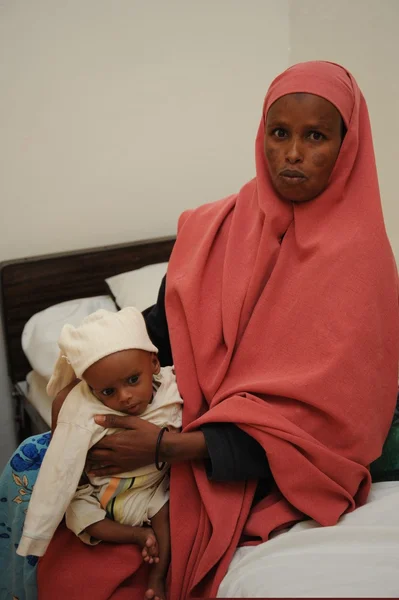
(295,340)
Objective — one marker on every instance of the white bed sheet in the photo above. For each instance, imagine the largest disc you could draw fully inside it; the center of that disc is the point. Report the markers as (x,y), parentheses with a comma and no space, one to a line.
(37,395)
(359,557)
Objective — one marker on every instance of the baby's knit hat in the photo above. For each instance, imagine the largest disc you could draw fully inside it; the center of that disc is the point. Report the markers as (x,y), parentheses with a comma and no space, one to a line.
(100,334)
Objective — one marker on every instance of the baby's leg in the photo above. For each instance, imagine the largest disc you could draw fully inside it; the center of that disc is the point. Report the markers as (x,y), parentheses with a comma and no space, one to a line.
(156,582)
(112,531)
(86,518)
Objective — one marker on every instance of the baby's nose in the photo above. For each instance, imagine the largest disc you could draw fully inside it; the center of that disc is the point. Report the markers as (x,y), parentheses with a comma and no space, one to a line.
(125,396)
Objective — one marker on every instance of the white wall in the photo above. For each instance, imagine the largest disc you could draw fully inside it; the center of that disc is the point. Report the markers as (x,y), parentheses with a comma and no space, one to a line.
(116,115)
(362,35)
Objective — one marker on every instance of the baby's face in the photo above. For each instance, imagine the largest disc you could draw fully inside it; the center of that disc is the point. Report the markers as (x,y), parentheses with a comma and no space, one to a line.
(123,380)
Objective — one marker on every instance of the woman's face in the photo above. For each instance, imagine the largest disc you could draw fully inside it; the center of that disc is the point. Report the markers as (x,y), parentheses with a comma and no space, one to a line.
(302,142)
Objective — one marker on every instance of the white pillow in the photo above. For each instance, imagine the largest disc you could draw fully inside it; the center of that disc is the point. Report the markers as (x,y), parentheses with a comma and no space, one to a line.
(41,332)
(137,288)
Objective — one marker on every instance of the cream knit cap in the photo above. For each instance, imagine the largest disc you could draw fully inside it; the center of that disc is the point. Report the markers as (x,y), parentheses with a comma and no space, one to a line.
(100,334)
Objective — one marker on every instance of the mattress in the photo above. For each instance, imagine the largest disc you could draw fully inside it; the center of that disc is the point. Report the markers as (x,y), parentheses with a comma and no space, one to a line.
(37,396)
(358,557)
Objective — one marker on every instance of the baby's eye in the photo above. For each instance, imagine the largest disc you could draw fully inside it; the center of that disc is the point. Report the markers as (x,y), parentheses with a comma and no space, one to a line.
(107,391)
(316,136)
(280,133)
(133,379)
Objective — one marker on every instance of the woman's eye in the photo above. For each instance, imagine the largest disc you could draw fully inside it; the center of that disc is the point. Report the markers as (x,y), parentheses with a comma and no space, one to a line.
(107,392)
(280,133)
(133,379)
(316,136)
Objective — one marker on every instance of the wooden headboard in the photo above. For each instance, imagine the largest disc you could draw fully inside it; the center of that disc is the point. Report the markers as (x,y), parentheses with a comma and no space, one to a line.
(33,284)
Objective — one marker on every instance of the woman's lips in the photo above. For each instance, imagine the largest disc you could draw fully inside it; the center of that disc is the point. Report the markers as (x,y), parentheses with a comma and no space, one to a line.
(292,176)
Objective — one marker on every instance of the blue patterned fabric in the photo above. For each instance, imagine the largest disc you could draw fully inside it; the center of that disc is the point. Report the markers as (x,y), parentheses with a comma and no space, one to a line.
(18,574)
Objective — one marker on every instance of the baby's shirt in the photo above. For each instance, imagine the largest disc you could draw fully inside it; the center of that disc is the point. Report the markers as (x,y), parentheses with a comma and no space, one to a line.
(64,461)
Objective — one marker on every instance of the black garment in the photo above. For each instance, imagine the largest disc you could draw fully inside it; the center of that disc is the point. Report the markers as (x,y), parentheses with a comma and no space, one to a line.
(157,327)
(233,454)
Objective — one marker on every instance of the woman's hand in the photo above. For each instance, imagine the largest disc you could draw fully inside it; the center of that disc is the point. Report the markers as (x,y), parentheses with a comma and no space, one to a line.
(125,450)
(135,447)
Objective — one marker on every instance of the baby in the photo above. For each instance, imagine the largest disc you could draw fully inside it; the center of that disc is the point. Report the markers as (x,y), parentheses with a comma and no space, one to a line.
(113,355)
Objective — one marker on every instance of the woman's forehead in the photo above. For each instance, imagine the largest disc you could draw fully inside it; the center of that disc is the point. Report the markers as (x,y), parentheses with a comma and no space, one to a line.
(303,105)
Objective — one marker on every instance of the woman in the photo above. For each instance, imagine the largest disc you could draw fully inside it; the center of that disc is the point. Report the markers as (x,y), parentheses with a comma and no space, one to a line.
(282,310)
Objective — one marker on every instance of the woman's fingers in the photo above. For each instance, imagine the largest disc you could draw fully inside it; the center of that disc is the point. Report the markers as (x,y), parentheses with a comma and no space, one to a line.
(110,421)
(128,449)
(98,454)
(104,471)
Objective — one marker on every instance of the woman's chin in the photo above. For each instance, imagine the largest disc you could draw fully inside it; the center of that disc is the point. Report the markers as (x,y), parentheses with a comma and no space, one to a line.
(297,196)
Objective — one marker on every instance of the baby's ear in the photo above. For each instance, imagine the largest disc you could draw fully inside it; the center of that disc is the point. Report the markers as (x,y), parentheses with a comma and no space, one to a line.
(156,367)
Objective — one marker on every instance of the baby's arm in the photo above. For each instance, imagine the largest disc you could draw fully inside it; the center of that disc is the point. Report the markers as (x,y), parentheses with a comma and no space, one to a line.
(108,530)
(59,401)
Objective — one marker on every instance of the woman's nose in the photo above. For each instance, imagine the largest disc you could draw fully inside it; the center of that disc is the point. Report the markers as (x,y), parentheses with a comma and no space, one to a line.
(294,152)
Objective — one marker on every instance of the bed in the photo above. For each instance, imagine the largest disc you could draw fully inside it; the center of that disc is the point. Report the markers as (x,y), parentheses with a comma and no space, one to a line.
(359,557)
(31,286)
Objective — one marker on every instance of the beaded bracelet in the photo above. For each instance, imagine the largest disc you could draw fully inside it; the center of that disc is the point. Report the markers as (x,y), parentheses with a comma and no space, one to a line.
(158,466)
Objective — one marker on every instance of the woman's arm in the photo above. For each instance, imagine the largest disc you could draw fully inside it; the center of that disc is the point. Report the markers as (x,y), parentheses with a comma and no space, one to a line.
(233,454)
(135,447)
(229,453)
